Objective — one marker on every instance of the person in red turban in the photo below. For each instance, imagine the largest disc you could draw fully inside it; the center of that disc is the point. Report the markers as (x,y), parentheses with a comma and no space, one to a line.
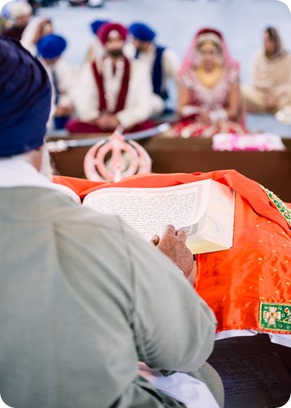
(111,30)
(112,91)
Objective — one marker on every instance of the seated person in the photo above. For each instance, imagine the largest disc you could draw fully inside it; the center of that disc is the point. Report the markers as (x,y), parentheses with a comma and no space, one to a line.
(77,305)
(270,88)
(50,49)
(112,91)
(162,62)
(21,13)
(209,100)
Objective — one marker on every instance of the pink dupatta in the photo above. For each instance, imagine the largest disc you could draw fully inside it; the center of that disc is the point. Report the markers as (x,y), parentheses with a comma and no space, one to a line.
(192,58)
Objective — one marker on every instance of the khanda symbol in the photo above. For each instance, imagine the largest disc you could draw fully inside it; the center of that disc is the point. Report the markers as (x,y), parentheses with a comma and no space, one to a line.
(114,158)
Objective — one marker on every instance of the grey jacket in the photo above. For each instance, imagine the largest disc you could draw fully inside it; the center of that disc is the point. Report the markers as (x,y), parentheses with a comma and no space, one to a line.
(82,300)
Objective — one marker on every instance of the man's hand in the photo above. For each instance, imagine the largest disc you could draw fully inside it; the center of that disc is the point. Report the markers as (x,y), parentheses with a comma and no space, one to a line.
(64,110)
(204,117)
(272,103)
(107,122)
(173,244)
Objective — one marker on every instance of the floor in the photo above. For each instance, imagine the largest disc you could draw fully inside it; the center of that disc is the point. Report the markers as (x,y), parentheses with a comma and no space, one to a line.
(255,372)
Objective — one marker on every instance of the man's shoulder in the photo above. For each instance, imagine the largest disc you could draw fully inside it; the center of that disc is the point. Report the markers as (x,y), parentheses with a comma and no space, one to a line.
(74,214)
(48,205)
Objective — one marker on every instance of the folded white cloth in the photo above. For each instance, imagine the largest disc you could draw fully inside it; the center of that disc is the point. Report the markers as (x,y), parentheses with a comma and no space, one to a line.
(184,388)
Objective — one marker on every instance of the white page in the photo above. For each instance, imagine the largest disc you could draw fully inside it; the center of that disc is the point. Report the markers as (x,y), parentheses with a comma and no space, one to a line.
(149,210)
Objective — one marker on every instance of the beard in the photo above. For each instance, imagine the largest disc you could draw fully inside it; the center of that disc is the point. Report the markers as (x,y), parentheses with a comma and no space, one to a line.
(139,49)
(115,53)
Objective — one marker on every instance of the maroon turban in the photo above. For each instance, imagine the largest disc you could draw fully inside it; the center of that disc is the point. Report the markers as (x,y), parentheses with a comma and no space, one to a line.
(107,28)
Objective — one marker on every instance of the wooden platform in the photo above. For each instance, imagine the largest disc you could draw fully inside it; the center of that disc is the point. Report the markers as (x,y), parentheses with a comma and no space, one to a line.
(272,169)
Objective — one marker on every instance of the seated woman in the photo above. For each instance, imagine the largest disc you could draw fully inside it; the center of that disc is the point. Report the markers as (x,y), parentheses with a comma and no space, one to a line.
(209,98)
(270,88)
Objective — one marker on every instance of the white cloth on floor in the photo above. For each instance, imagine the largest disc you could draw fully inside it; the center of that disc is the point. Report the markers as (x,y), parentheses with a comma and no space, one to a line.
(184,388)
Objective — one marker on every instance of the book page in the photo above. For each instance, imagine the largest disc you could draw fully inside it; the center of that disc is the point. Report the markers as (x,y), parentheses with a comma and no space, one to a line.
(68,191)
(149,210)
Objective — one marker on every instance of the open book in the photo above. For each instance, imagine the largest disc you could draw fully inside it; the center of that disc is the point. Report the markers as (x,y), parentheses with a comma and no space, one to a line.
(203,209)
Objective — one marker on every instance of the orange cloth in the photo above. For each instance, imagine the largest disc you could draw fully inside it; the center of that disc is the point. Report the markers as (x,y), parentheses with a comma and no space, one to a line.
(255,271)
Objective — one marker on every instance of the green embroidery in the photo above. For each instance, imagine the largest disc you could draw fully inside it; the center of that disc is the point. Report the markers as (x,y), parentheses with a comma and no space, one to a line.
(280,205)
(275,316)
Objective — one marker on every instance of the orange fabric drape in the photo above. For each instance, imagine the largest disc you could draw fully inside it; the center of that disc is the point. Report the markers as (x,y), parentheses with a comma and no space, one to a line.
(256,270)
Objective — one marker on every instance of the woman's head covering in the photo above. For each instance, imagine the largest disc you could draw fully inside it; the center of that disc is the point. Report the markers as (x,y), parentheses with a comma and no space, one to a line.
(51,46)
(20,9)
(25,99)
(142,32)
(207,35)
(96,24)
(192,56)
(275,37)
(107,28)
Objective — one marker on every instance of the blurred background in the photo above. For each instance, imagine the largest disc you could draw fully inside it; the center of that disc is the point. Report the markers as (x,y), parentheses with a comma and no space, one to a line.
(241,21)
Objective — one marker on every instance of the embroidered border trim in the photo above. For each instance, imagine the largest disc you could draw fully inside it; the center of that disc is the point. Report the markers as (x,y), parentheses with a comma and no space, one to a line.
(279,204)
(275,316)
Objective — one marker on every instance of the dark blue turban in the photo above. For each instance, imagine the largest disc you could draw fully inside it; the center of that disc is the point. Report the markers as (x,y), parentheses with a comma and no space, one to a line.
(141,32)
(51,46)
(25,99)
(96,24)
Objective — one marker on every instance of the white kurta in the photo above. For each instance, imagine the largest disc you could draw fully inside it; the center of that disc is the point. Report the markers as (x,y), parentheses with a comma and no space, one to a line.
(139,96)
(83,299)
(269,78)
(170,67)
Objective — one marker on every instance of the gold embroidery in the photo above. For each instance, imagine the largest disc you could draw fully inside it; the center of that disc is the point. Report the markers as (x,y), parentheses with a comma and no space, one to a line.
(279,204)
(275,316)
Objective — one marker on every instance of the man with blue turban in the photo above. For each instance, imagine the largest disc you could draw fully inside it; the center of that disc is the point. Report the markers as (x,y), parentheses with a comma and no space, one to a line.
(162,62)
(62,76)
(82,297)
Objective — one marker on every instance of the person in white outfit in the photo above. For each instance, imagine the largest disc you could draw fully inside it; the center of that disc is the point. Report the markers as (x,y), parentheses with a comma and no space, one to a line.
(162,62)
(112,91)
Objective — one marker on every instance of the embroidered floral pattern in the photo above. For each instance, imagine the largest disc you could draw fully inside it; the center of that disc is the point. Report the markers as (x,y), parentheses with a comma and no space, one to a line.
(279,204)
(209,98)
(275,316)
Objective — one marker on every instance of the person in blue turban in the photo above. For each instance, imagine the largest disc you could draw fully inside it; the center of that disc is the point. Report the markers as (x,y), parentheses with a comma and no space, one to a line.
(51,46)
(77,308)
(62,76)
(162,62)
(142,32)
(24,99)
